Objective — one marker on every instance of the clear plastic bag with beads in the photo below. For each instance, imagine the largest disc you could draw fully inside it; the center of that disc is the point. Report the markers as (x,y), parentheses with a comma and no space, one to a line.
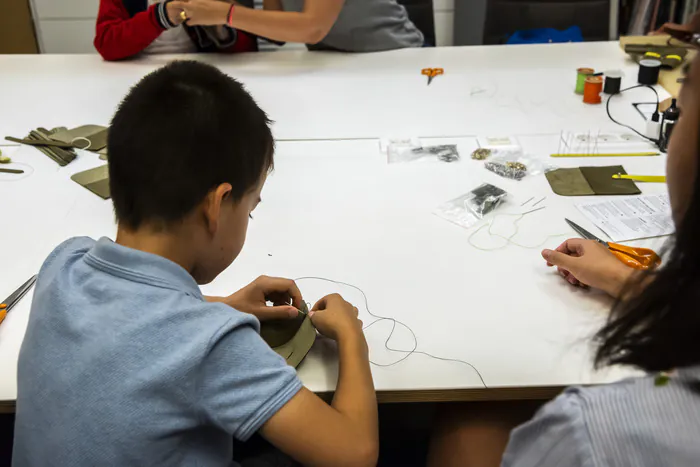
(468,209)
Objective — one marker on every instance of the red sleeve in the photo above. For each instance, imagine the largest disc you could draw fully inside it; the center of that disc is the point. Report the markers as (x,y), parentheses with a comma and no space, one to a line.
(245,42)
(117,36)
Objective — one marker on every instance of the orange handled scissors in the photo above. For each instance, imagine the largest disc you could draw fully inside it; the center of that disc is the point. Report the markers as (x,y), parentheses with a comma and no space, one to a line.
(12,300)
(432,73)
(637,258)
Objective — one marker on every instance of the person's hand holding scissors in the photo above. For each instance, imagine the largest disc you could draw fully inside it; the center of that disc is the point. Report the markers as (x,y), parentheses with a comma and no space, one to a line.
(589,263)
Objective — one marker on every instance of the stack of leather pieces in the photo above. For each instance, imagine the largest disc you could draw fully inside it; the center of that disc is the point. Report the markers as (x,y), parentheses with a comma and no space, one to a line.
(60,143)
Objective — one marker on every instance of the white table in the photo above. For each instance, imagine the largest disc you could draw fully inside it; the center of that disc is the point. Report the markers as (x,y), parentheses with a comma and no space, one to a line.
(336,209)
(514,89)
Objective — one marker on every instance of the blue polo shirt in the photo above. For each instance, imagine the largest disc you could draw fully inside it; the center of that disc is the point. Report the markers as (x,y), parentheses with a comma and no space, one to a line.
(125,363)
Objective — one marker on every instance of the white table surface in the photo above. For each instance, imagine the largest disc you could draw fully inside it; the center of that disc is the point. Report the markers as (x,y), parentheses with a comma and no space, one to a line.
(336,209)
(506,89)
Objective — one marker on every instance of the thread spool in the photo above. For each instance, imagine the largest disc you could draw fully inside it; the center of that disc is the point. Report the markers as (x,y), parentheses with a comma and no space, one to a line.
(581,75)
(613,82)
(649,71)
(591,89)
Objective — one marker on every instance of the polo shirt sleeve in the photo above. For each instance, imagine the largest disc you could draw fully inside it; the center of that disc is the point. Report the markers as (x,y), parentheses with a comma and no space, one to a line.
(556,437)
(243,382)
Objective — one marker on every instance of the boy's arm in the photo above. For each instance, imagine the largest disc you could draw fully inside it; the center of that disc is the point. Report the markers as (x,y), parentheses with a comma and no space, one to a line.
(244,387)
(346,432)
(117,36)
(342,434)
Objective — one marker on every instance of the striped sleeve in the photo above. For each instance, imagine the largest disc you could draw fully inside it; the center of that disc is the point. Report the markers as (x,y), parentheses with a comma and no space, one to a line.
(162,15)
(555,437)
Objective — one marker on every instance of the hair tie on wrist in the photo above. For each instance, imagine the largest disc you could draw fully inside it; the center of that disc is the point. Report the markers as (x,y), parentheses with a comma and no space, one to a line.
(229,17)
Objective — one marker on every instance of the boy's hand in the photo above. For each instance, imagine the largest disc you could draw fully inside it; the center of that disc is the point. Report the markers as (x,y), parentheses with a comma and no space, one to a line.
(203,12)
(588,263)
(335,318)
(283,293)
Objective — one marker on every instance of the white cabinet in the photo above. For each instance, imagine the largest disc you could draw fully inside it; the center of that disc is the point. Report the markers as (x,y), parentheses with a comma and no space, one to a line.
(68,36)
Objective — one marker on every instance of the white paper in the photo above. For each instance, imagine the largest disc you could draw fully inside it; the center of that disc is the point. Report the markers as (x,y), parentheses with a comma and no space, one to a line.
(632,218)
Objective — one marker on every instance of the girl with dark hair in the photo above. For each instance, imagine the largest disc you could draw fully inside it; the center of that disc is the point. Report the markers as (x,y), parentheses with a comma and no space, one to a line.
(648,421)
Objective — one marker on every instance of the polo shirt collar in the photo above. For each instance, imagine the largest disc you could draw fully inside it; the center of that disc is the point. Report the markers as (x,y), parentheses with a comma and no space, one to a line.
(139,266)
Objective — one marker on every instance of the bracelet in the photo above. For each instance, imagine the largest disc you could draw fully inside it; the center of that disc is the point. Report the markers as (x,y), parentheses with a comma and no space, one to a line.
(229,17)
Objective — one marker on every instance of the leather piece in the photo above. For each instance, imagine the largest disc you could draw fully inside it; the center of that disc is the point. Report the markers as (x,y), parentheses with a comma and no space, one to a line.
(601,181)
(79,136)
(588,181)
(290,338)
(569,182)
(95,180)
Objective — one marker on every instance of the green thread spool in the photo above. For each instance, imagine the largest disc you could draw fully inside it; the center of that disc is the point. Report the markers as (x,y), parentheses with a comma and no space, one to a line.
(581,75)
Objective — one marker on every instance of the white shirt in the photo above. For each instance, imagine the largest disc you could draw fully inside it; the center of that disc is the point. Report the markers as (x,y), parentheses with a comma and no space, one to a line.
(171,41)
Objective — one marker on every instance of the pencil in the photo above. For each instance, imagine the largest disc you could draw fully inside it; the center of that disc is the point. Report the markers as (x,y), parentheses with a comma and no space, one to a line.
(621,154)
(641,178)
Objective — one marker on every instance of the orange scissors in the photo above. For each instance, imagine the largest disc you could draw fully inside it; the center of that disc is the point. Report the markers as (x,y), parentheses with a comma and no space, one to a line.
(432,73)
(12,300)
(637,258)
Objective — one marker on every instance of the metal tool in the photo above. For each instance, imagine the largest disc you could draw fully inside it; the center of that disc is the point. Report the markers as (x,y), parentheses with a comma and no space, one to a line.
(431,73)
(11,171)
(16,296)
(634,257)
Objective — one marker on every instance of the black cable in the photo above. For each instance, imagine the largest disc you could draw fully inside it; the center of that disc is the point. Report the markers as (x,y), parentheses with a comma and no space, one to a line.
(607,109)
(393,328)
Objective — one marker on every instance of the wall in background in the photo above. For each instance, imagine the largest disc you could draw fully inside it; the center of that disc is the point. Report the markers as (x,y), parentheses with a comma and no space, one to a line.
(68,26)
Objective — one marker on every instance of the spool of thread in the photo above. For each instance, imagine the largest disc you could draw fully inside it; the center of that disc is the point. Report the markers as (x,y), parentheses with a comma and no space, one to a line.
(649,71)
(581,75)
(591,89)
(613,82)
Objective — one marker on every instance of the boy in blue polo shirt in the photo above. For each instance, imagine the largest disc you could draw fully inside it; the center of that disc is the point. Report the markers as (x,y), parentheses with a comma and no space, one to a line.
(125,362)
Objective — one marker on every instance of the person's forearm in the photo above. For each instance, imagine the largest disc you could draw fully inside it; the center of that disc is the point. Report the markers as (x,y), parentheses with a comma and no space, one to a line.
(271,5)
(283,26)
(355,397)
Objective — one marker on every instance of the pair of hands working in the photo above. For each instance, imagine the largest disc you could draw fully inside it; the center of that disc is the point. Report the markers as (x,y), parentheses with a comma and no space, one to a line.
(584,263)
(332,315)
(587,263)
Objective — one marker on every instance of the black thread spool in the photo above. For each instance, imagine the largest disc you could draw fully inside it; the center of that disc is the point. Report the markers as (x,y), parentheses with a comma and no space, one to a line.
(649,72)
(613,82)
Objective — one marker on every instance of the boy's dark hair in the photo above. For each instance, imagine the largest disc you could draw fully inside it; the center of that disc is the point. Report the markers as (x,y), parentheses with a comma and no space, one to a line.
(181,131)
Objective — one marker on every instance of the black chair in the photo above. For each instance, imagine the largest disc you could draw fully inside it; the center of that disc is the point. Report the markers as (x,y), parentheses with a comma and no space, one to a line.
(422,15)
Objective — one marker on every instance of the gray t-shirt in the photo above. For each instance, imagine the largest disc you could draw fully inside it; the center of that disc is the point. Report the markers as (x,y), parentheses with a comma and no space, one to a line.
(367,26)
(124,363)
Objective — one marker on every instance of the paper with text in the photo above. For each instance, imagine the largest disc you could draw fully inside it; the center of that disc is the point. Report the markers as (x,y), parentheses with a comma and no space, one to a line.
(631,218)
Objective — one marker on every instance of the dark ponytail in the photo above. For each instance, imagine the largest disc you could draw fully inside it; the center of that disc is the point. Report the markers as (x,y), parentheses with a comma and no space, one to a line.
(658,328)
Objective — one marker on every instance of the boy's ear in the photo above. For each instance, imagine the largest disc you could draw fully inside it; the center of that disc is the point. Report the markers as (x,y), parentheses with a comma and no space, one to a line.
(213,205)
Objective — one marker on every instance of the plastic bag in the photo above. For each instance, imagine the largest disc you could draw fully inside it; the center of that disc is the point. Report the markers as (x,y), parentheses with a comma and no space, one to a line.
(515,165)
(443,152)
(467,210)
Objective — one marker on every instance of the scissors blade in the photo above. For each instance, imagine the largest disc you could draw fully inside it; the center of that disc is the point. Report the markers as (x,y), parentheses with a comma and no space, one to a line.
(19,293)
(583,232)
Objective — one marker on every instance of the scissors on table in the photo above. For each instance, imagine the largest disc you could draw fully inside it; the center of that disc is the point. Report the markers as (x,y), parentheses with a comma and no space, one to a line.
(432,73)
(12,300)
(634,257)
